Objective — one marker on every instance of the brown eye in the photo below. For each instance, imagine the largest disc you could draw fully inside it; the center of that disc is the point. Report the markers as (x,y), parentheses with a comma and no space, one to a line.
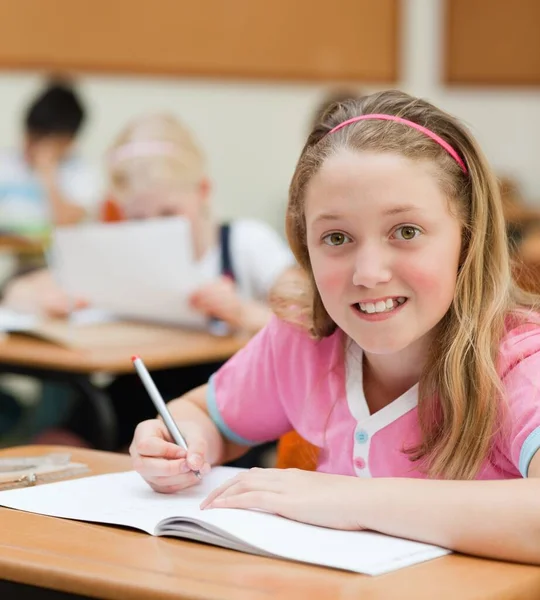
(407,232)
(336,239)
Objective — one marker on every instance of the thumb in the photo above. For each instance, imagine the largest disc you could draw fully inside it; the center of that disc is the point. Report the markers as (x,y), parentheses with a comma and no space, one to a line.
(197,448)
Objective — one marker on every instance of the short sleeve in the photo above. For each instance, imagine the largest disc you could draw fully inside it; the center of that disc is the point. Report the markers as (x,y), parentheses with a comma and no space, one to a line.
(282,380)
(244,399)
(521,381)
(259,256)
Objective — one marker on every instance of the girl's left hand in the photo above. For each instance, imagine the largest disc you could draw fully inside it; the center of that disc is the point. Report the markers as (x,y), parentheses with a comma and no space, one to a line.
(315,498)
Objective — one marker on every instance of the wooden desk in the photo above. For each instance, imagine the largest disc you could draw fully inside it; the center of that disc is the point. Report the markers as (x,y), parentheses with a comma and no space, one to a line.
(177,349)
(20,244)
(114,564)
(109,349)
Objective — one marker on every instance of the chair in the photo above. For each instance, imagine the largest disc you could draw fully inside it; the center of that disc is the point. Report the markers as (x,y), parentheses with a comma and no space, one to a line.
(294,452)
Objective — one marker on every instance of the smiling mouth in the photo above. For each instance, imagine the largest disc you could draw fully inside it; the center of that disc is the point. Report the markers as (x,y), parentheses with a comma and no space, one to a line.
(370,308)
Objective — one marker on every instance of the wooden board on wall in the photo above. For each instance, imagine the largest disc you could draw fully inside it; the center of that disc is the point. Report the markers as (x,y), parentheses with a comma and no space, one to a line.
(492,42)
(261,39)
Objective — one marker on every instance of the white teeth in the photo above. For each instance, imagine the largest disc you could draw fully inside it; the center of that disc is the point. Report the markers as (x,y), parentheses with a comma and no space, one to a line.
(381,305)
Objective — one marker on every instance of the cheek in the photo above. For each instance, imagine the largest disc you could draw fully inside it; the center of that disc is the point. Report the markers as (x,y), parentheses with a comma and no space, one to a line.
(432,278)
(331,276)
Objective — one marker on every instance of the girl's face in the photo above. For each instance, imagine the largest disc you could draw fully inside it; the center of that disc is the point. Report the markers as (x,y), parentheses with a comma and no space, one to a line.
(384,248)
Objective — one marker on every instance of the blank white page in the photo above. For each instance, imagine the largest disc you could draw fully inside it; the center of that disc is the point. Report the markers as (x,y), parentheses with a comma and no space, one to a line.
(124,499)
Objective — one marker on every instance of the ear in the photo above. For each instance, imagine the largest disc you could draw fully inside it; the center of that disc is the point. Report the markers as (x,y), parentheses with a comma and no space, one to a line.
(204,189)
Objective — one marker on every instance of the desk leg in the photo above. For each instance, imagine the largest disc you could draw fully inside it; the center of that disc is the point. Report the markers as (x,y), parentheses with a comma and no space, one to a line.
(104,430)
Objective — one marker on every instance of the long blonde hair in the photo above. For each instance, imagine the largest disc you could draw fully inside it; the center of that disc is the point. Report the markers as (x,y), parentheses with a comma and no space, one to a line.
(460,390)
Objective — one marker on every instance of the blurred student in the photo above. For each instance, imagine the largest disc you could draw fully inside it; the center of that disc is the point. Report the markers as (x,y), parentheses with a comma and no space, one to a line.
(157,169)
(43,183)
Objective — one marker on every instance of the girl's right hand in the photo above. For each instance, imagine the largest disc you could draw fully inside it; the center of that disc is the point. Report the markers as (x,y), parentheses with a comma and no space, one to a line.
(166,467)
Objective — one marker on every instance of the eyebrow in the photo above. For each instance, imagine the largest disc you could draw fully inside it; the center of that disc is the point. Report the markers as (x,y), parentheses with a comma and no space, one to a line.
(327,217)
(395,210)
(398,210)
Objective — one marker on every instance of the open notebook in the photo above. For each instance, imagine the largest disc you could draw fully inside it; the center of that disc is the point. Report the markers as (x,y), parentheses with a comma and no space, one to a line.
(93,329)
(125,499)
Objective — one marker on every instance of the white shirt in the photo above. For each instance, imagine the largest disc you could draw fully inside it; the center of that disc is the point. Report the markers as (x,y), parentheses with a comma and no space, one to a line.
(24,208)
(258,255)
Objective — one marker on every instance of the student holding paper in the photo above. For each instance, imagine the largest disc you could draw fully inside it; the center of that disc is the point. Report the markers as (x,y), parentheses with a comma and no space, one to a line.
(412,360)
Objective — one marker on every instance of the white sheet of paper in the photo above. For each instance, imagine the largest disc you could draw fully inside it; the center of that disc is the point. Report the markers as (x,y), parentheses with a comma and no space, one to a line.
(137,269)
(11,320)
(124,499)
(14,321)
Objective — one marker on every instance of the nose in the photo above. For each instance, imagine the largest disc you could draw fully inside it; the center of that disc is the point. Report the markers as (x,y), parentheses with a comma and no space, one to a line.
(372,266)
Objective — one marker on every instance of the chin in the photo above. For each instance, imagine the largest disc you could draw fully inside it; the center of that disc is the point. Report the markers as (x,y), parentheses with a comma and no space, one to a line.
(382,344)
(373,347)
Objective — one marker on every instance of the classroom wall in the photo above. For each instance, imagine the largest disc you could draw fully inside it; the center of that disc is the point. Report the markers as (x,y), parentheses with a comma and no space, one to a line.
(253,132)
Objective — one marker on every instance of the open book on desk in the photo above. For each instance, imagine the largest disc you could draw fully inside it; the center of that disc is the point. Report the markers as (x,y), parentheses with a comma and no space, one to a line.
(125,499)
(90,329)
(76,330)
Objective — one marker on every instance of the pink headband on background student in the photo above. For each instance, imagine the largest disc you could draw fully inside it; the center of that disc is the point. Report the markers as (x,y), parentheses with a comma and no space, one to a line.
(421,128)
(143,149)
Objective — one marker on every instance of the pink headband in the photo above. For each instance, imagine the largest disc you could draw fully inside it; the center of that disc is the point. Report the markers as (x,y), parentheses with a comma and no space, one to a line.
(420,128)
(143,149)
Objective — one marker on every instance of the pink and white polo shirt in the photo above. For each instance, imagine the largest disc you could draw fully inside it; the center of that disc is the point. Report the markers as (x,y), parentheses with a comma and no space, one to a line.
(284,380)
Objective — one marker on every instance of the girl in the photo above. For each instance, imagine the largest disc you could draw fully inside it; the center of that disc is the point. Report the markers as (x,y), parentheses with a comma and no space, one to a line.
(416,370)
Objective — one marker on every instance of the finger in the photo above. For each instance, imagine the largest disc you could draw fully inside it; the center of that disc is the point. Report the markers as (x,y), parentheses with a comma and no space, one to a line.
(196,455)
(151,468)
(206,468)
(160,469)
(246,481)
(81,303)
(183,480)
(221,489)
(151,428)
(188,481)
(158,447)
(267,501)
(200,293)
(259,480)
(57,306)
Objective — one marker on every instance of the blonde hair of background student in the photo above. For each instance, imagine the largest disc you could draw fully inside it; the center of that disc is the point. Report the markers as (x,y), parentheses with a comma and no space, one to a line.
(462,398)
(156,169)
